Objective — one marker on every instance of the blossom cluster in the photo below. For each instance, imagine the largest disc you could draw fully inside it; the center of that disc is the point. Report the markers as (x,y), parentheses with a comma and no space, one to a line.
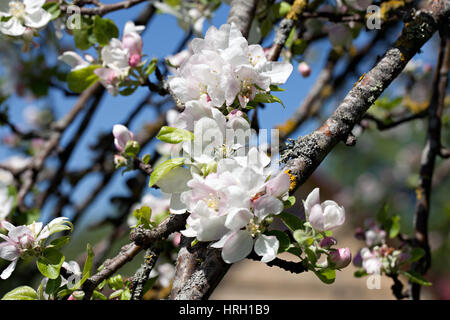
(378,256)
(118,58)
(21,18)
(27,240)
(225,67)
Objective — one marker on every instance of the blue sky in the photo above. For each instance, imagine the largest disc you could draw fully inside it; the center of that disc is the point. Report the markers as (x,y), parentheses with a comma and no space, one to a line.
(160,39)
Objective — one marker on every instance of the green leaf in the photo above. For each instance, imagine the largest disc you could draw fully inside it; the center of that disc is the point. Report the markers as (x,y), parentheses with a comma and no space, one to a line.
(164,168)
(295,251)
(416,278)
(60,242)
(81,79)
(326,275)
(281,9)
(49,264)
(96,295)
(53,9)
(81,38)
(266,98)
(21,293)
(360,273)
(132,148)
(289,202)
(383,214)
(143,216)
(394,227)
(266,26)
(146,158)
(174,135)
(151,67)
(126,294)
(303,238)
(115,282)
(276,88)
(299,46)
(291,221)
(87,268)
(104,30)
(416,254)
(283,239)
(290,39)
(311,256)
(52,285)
(128,91)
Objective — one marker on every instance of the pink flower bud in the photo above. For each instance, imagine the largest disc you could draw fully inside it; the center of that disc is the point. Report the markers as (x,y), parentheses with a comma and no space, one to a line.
(327,242)
(134,60)
(121,136)
(341,257)
(176,239)
(304,69)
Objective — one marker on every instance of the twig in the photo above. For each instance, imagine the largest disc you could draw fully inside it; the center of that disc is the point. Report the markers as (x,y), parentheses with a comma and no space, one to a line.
(291,266)
(431,150)
(142,274)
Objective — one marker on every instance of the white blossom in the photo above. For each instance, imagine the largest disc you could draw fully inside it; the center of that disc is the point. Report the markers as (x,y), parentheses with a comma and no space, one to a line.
(22,14)
(323,216)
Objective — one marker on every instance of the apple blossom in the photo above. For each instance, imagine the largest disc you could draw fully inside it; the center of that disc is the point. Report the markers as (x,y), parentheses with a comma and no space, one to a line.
(340,257)
(22,14)
(225,67)
(23,240)
(323,216)
(371,261)
(304,69)
(121,136)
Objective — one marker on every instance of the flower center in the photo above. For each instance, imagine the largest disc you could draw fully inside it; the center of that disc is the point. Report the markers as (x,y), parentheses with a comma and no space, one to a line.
(17,9)
(213,202)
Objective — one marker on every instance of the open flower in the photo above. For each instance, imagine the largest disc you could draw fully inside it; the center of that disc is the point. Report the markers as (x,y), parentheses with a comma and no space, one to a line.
(28,239)
(22,14)
(323,216)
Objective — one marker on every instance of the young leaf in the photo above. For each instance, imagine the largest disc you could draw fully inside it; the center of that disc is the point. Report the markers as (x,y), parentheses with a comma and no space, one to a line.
(21,293)
(416,278)
(53,9)
(326,275)
(289,202)
(81,79)
(151,67)
(49,264)
(52,285)
(291,221)
(416,254)
(174,135)
(266,98)
(104,30)
(164,168)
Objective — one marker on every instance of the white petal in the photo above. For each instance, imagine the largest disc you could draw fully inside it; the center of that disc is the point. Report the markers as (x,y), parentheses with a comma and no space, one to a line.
(38,19)
(279,185)
(267,247)
(7,272)
(278,72)
(238,218)
(12,27)
(266,205)
(237,247)
(334,216)
(316,218)
(8,251)
(312,199)
(72,58)
(176,206)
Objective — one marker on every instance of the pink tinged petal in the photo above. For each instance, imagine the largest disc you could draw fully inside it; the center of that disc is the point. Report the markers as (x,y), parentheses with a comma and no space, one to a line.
(238,219)
(17,233)
(341,257)
(279,185)
(7,225)
(267,247)
(237,247)
(211,229)
(7,272)
(312,199)
(266,205)
(121,136)
(315,217)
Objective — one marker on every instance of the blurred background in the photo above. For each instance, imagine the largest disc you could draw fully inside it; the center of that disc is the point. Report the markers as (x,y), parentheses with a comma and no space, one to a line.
(381,168)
